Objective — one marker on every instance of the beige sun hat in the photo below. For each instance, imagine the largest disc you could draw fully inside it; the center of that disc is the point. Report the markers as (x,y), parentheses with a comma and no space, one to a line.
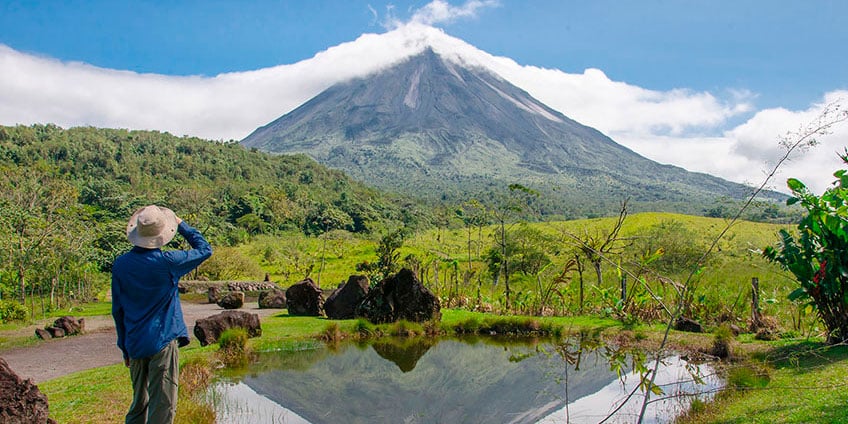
(152,227)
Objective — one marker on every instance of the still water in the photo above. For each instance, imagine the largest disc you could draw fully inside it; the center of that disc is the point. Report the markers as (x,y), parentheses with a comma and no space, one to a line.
(457,381)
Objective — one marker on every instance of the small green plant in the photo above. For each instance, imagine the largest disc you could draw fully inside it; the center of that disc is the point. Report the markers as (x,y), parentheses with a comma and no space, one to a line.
(332,333)
(233,350)
(723,343)
(363,328)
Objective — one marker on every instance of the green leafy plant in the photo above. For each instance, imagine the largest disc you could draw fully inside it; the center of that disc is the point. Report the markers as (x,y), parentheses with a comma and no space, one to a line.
(11,310)
(818,255)
(233,349)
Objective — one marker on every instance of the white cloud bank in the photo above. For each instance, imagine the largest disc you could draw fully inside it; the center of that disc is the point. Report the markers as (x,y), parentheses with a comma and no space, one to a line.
(682,127)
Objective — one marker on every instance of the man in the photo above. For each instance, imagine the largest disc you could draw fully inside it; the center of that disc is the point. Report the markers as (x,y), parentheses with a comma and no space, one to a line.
(147,312)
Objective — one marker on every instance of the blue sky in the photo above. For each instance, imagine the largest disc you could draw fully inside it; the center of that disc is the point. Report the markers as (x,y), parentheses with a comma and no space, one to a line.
(708,85)
(786,52)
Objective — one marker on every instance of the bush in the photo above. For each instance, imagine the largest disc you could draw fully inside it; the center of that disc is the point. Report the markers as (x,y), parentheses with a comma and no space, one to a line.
(233,347)
(11,310)
(228,263)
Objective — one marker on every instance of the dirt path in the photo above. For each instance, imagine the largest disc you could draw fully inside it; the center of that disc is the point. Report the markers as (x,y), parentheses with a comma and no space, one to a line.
(96,348)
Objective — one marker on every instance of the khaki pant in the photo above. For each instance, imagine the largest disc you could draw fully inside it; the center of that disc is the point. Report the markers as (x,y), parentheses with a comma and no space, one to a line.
(155,380)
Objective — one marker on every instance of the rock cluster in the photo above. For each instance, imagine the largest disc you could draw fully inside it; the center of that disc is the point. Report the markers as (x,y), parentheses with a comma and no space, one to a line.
(63,326)
(400,297)
(194,286)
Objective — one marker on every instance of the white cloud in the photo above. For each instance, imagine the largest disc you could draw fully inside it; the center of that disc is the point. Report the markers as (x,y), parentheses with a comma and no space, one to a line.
(436,12)
(681,127)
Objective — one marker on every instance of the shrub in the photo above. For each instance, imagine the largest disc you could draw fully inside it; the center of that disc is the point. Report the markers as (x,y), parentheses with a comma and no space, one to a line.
(229,263)
(818,255)
(11,310)
(723,343)
(363,328)
(333,333)
(233,347)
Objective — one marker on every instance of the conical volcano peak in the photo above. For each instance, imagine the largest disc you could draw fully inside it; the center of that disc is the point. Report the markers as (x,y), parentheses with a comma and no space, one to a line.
(437,123)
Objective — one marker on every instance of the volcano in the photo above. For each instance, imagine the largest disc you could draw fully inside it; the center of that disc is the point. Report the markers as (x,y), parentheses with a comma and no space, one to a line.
(440,129)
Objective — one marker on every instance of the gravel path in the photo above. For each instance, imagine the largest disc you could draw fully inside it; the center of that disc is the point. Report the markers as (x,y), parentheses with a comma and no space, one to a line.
(97,347)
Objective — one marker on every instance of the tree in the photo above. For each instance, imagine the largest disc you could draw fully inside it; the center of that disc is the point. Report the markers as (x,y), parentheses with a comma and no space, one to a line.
(33,210)
(473,213)
(596,247)
(818,255)
(508,208)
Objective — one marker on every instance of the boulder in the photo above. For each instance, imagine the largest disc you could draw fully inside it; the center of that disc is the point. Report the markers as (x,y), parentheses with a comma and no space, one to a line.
(305,298)
(400,297)
(272,299)
(71,325)
(343,301)
(20,400)
(55,332)
(209,329)
(688,324)
(43,334)
(213,294)
(232,300)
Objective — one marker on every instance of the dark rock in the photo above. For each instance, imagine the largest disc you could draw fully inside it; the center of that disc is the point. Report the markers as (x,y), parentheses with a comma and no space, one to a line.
(20,400)
(343,301)
(43,334)
(209,329)
(71,325)
(213,294)
(400,297)
(272,299)
(688,324)
(56,332)
(232,300)
(305,298)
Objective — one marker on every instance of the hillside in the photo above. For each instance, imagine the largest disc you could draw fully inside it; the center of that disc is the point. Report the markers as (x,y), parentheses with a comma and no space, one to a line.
(222,188)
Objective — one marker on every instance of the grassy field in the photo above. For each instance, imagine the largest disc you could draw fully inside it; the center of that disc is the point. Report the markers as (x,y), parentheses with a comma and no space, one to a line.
(450,263)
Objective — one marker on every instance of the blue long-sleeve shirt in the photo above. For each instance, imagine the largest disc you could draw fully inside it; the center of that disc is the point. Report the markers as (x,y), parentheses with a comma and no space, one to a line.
(145,299)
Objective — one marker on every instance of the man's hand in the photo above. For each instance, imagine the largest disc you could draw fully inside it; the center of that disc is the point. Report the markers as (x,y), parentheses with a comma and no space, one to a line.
(178,219)
(127,362)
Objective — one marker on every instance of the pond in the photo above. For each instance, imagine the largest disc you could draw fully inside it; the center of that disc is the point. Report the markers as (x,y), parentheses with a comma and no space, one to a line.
(477,380)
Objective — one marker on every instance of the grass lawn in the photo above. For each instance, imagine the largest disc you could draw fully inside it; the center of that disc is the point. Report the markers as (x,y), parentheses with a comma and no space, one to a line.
(806,383)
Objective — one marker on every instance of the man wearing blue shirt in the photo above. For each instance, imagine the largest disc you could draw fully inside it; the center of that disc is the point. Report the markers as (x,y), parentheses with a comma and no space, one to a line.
(147,312)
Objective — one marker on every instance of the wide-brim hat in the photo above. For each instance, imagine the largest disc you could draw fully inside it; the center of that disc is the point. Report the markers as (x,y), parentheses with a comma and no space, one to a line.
(152,227)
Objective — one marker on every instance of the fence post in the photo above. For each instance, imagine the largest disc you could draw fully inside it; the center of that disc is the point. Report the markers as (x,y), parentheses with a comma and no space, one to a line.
(755,302)
(623,288)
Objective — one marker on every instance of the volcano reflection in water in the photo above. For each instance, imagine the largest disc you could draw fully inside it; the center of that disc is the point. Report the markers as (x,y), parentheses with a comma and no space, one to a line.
(453,381)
